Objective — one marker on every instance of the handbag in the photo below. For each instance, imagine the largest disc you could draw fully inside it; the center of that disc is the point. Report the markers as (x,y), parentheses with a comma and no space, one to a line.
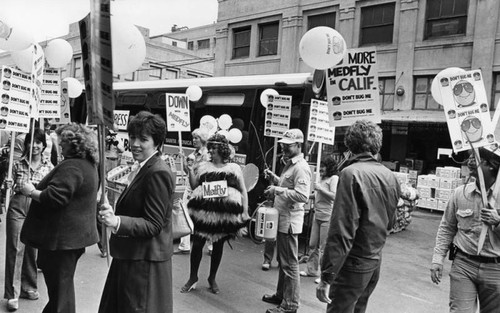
(182,225)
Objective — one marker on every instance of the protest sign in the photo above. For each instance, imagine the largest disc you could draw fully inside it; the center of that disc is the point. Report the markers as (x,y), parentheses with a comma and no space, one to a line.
(319,125)
(16,97)
(121,119)
(49,106)
(352,88)
(467,111)
(178,117)
(278,113)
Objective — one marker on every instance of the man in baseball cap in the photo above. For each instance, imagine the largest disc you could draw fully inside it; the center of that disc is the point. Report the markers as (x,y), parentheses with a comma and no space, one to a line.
(290,193)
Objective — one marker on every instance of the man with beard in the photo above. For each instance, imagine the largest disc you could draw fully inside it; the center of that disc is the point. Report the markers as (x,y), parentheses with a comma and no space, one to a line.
(290,194)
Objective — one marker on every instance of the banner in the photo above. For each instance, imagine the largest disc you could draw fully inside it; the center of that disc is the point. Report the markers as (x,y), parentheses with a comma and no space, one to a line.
(319,127)
(467,111)
(178,117)
(352,88)
(278,113)
(16,100)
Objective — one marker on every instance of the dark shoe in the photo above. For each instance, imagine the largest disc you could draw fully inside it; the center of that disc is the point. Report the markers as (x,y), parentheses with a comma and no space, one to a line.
(213,286)
(179,251)
(273,299)
(280,310)
(30,295)
(190,285)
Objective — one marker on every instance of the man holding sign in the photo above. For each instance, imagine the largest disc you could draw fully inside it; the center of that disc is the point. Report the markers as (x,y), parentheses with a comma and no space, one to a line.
(473,275)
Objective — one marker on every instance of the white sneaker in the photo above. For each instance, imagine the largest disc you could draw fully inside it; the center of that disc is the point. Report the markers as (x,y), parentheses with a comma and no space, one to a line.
(12,305)
(266,266)
(317,280)
(210,248)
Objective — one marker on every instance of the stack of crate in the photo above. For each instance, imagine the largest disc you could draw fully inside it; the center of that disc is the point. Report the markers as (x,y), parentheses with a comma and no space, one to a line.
(435,190)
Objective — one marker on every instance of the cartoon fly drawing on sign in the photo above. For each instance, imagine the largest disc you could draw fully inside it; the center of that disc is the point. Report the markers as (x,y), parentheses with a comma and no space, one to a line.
(464,94)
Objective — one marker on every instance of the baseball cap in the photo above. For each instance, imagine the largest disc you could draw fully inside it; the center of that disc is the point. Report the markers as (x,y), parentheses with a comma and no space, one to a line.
(293,135)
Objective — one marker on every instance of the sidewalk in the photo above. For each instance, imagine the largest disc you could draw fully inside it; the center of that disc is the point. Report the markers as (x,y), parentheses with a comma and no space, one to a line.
(404,286)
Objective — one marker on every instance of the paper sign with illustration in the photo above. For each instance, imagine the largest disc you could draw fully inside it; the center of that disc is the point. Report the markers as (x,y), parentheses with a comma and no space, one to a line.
(16,97)
(319,126)
(178,112)
(49,106)
(352,88)
(215,189)
(278,113)
(467,111)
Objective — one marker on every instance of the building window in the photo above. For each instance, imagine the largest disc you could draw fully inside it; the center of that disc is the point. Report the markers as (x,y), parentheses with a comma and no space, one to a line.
(190,45)
(386,88)
(203,44)
(377,24)
(77,69)
(423,97)
(241,46)
(446,18)
(174,43)
(268,39)
(170,74)
(327,19)
(155,73)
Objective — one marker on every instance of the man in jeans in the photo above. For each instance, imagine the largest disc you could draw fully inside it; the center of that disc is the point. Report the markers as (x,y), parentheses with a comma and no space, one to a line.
(290,195)
(363,213)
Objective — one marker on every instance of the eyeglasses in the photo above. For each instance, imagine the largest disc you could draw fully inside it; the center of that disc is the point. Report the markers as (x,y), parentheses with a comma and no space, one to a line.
(458,88)
(467,123)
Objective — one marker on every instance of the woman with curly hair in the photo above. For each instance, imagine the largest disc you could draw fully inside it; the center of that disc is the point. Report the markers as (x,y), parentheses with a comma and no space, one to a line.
(61,219)
(218,216)
(324,196)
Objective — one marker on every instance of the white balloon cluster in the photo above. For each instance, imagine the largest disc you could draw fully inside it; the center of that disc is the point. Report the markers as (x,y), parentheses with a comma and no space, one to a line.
(221,126)
(322,47)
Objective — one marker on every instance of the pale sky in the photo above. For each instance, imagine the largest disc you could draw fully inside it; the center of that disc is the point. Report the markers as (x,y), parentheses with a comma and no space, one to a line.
(50,18)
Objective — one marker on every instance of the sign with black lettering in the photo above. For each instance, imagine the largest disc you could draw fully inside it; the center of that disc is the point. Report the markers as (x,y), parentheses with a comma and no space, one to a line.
(49,106)
(178,117)
(16,100)
(352,88)
(319,125)
(214,189)
(278,113)
(121,119)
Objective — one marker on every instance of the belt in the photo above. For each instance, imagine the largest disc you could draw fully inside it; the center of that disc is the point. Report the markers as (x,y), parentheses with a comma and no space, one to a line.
(479,258)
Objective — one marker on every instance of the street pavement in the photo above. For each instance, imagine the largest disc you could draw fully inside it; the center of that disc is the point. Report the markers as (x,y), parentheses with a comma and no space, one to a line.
(404,286)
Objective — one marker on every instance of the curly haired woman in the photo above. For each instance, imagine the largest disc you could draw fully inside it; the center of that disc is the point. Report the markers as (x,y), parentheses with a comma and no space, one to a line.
(61,219)
(220,217)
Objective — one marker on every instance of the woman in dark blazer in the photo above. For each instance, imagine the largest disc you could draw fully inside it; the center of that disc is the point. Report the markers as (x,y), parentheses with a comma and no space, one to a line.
(61,219)
(140,276)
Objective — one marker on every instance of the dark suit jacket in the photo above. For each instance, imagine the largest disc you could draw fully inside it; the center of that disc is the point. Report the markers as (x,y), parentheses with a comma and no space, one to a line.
(145,210)
(64,218)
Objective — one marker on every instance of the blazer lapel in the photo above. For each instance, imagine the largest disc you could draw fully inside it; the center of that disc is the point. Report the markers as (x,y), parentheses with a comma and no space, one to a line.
(142,172)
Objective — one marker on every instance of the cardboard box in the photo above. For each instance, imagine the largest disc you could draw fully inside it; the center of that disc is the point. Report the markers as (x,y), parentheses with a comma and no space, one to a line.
(402,177)
(449,183)
(443,194)
(413,173)
(441,205)
(433,181)
(403,169)
(410,163)
(419,165)
(422,181)
(424,192)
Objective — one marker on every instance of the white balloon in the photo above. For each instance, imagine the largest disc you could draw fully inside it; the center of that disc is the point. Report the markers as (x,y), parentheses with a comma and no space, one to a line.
(194,93)
(24,58)
(224,133)
(264,96)
(209,122)
(322,47)
(14,35)
(58,53)
(225,121)
(436,94)
(75,88)
(129,48)
(235,135)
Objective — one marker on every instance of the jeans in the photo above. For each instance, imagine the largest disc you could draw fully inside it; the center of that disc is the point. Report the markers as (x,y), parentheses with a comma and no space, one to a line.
(288,287)
(353,286)
(269,247)
(20,260)
(471,281)
(317,243)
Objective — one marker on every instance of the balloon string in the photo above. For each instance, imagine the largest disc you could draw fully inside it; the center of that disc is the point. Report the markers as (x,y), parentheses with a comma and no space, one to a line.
(260,146)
